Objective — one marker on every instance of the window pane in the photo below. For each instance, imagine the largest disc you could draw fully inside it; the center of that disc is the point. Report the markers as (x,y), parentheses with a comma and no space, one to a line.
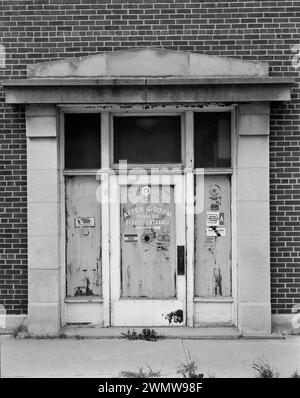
(143,139)
(212,139)
(82,141)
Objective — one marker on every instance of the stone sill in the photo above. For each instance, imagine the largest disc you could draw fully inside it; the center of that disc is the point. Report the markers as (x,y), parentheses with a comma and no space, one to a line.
(213,299)
(82,299)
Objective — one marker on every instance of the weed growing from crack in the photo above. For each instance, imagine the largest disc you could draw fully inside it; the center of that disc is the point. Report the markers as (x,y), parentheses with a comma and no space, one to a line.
(147,334)
(20,328)
(264,370)
(295,374)
(188,369)
(141,373)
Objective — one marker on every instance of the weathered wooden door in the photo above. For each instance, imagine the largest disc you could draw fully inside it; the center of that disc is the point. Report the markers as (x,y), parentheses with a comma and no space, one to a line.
(213,237)
(148,252)
(83,235)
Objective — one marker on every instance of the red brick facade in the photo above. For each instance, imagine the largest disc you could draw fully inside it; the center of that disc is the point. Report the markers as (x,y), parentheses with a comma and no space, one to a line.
(41,30)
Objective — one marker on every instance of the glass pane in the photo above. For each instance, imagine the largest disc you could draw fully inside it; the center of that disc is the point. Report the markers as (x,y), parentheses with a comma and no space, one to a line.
(82,141)
(143,139)
(213,236)
(148,246)
(212,139)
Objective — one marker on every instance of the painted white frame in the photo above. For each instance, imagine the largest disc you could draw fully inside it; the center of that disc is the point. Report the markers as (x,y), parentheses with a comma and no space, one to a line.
(233,300)
(80,304)
(124,311)
(106,172)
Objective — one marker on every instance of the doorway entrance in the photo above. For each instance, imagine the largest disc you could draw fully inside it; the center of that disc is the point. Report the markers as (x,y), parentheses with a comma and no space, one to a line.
(154,248)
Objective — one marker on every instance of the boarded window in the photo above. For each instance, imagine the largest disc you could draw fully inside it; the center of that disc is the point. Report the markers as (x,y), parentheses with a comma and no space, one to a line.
(212,236)
(143,139)
(83,228)
(82,141)
(212,139)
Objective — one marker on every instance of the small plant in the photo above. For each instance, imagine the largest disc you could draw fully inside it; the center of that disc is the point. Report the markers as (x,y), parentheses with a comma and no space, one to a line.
(295,374)
(20,328)
(130,335)
(264,370)
(150,373)
(188,370)
(147,334)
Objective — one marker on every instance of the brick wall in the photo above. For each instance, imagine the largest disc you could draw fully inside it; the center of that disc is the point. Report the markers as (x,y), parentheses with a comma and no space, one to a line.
(41,30)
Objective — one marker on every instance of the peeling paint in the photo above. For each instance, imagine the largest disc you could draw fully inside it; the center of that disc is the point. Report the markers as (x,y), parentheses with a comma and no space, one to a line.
(218,281)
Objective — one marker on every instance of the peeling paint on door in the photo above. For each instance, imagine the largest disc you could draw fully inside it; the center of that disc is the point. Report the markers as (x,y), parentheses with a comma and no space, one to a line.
(83,237)
(213,253)
(148,255)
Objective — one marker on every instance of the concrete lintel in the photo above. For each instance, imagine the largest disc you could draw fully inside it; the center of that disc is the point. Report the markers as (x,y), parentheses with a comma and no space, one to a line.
(147,95)
(138,81)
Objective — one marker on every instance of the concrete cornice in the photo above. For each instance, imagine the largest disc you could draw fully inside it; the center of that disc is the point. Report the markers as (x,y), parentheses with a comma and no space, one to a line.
(146,81)
(147,90)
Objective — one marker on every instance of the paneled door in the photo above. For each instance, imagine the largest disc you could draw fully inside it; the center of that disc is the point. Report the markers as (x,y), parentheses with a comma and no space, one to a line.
(148,286)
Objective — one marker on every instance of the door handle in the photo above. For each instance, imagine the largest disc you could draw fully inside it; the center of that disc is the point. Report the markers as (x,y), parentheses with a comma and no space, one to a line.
(180,260)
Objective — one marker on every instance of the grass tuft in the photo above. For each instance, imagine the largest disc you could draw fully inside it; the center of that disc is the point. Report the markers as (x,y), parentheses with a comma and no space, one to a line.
(189,369)
(295,374)
(147,334)
(141,373)
(264,370)
(20,328)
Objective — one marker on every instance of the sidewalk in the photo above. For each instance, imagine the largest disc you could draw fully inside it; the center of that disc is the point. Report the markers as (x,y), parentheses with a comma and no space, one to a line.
(108,357)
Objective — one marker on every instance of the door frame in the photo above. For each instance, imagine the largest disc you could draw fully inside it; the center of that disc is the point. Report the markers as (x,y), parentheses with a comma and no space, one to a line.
(187,112)
(145,307)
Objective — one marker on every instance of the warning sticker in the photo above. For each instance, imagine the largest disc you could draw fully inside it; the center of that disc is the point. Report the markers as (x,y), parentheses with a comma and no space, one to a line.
(84,222)
(215,231)
(130,238)
(214,218)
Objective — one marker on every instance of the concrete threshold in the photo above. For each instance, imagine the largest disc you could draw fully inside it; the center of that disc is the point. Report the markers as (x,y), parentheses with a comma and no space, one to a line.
(184,333)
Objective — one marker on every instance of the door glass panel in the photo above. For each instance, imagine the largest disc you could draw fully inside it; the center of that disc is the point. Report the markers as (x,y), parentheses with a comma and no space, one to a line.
(82,141)
(83,263)
(212,133)
(213,236)
(147,139)
(148,256)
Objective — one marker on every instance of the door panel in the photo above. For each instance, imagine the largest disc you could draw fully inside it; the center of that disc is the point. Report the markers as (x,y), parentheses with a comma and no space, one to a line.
(213,237)
(148,247)
(83,262)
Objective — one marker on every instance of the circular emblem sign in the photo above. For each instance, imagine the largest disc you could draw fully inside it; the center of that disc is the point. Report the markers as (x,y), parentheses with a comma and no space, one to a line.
(146,191)
(214,190)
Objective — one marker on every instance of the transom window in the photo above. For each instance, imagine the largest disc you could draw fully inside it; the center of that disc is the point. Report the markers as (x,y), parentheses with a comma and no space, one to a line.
(147,139)
(212,143)
(82,140)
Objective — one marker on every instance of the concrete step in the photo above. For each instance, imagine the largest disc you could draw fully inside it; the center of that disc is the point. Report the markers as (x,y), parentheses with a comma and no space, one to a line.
(187,333)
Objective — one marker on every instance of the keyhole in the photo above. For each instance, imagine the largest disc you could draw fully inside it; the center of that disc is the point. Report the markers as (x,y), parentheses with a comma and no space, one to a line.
(146,238)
